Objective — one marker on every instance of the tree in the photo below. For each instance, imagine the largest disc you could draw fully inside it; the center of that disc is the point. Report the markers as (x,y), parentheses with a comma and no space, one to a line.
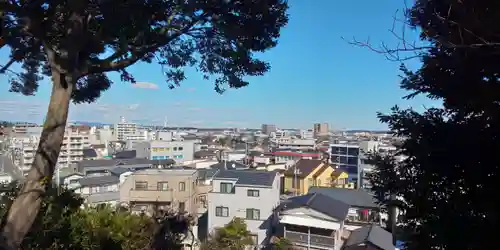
(234,236)
(449,179)
(61,224)
(77,42)
(281,244)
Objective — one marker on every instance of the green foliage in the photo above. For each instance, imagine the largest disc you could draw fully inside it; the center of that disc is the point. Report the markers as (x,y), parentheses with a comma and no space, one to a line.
(87,39)
(62,224)
(281,244)
(234,236)
(449,180)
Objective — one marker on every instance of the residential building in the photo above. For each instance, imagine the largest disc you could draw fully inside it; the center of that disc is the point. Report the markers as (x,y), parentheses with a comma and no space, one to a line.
(124,129)
(307,173)
(347,157)
(151,190)
(371,237)
(24,147)
(251,195)
(295,144)
(268,128)
(306,134)
(102,167)
(286,156)
(320,129)
(340,179)
(318,221)
(179,151)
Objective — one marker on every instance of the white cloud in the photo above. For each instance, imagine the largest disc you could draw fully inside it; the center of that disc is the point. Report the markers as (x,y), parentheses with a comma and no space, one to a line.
(190,90)
(145,85)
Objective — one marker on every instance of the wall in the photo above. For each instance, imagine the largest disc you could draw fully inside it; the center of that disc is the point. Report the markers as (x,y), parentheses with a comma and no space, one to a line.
(289,184)
(237,204)
(97,189)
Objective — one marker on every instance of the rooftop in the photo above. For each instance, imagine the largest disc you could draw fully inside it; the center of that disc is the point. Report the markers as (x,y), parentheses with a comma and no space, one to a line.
(354,197)
(248,178)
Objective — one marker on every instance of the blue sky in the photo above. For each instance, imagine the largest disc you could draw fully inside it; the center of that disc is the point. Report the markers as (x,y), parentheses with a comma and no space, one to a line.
(316,76)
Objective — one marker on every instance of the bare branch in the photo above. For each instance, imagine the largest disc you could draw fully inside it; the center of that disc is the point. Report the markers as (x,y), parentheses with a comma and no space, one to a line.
(407,49)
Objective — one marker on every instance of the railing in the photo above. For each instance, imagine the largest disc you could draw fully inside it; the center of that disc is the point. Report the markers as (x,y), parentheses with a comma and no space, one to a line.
(316,240)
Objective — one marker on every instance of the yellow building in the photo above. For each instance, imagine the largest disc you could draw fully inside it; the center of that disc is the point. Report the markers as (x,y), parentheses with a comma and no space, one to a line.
(307,173)
(340,179)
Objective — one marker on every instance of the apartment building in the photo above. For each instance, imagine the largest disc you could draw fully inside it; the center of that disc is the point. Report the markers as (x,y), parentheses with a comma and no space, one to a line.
(179,151)
(320,129)
(296,144)
(24,146)
(267,129)
(151,190)
(251,195)
(127,130)
(347,157)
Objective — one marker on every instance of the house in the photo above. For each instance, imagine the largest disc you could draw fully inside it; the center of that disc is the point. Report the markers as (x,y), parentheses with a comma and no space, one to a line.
(317,221)
(340,179)
(360,202)
(251,195)
(100,167)
(307,173)
(97,184)
(204,184)
(152,190)
(371,237)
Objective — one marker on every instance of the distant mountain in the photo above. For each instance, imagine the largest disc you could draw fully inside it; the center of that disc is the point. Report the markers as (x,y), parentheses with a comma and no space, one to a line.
(368,131)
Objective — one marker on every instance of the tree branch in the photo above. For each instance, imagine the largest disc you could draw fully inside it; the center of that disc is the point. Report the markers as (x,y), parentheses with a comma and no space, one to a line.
(109,64)
(405,46)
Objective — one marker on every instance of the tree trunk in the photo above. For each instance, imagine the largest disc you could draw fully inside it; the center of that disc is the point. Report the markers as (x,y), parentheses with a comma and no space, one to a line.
(25,207)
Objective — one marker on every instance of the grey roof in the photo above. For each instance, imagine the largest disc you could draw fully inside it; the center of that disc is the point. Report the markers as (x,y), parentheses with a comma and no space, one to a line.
(126,154)
(163,162)
(89,152)
(99,180)
(318,202)
(229,165)
(354,197)
(119,170)
(103,197)
(251,177)
(112,162)
(373,234)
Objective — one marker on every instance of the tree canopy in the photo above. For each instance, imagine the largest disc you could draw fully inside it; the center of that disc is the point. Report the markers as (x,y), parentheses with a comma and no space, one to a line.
(233,236)
(62,224)
(448,182)
(78,42)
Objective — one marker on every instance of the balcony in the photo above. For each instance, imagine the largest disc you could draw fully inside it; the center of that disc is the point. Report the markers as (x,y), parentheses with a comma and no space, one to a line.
(151,195)
(312,240)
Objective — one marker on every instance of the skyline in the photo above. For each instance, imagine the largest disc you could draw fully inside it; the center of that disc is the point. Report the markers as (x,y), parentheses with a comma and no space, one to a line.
(316,76)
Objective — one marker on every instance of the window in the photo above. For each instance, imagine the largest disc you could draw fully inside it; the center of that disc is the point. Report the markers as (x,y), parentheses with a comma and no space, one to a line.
(319,182)
(141,185)
(253,214)
(352,160)
(180,148)
(222,211)
(226,187)
(253,193)
(167,149)
(182,207)
(182,186)
(311,182)
(162,186)
(175,148)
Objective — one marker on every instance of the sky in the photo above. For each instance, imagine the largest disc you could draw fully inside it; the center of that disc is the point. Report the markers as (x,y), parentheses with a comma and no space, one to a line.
(316,76)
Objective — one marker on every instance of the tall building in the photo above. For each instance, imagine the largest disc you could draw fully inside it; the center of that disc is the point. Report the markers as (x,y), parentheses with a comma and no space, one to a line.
(179,151)
(24,147)
(268,128)
(320,129)
(347,157)
(126,130)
